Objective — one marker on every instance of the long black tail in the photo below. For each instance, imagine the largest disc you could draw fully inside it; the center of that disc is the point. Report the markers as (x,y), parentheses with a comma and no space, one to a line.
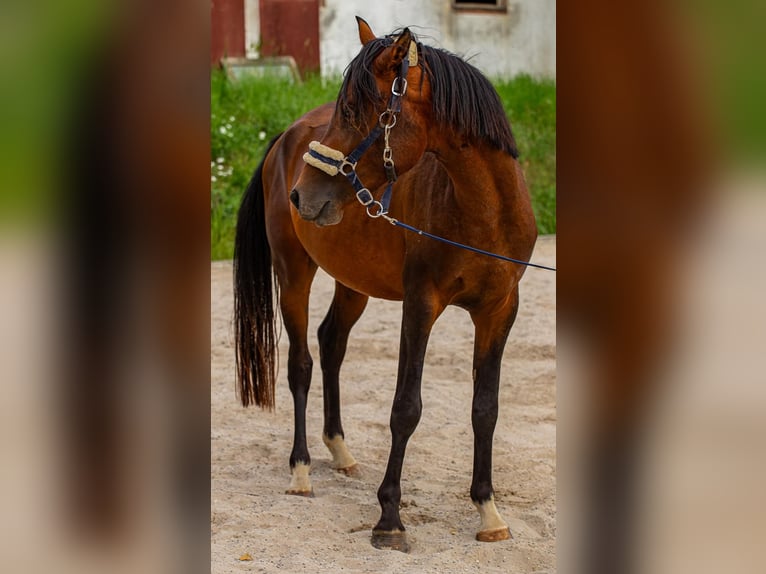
(255,293)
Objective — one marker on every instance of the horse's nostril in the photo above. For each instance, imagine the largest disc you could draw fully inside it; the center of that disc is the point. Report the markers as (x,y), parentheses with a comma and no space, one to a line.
(295,199)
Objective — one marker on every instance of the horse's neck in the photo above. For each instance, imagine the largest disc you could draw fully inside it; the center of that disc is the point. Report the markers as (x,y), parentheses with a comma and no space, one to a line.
(482,175)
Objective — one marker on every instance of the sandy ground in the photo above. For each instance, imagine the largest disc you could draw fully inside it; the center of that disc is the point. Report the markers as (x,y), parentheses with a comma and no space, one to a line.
(249,463)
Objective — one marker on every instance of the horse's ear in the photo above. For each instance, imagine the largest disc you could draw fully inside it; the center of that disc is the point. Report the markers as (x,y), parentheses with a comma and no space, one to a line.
(401,47)
(366,35)
(392,56)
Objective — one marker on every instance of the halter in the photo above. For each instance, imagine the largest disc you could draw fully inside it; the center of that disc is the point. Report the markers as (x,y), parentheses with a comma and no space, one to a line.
(333,162)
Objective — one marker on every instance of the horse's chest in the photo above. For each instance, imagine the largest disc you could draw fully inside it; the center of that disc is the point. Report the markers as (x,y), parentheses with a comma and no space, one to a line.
(369,262)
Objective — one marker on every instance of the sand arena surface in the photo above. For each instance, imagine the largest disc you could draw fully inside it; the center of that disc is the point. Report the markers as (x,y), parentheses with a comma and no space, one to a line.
(250,449)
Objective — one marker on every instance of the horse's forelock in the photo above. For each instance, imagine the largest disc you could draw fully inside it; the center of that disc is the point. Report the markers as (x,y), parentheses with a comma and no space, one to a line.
(359,91)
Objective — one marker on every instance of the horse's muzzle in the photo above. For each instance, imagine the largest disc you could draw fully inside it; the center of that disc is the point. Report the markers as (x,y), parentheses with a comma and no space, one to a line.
(319,210)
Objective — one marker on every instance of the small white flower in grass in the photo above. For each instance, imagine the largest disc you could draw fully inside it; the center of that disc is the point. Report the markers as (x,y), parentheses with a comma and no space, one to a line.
(262,135)
(222,130)
(213,178)
(231,118)
(219,160)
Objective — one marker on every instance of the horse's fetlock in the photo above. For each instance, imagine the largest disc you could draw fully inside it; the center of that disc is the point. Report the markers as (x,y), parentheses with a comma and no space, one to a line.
(481,493)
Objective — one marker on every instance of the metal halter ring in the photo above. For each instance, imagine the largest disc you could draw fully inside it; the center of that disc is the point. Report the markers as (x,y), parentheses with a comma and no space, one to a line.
(347,164)
(378,213)
(387,119)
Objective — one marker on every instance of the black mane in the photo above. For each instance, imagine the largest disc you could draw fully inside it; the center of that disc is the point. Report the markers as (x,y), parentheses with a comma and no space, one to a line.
(462,97)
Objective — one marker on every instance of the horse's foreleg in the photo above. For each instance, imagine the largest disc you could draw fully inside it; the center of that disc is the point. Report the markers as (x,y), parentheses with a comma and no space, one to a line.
(347,306)
(418,317)
(294,305)
(492,328)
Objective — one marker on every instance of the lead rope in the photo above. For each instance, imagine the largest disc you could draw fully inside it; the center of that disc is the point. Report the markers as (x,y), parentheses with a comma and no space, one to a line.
(398,223)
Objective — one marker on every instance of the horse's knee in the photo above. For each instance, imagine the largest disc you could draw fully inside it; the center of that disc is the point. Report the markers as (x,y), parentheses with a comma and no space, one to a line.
(484,414)
(299,373)
(405,416)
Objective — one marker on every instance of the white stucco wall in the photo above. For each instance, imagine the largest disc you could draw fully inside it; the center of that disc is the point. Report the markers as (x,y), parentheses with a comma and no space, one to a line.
(252,28)
(501,44)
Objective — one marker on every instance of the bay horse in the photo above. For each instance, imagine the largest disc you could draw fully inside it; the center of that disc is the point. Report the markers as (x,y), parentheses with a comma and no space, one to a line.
(456,174)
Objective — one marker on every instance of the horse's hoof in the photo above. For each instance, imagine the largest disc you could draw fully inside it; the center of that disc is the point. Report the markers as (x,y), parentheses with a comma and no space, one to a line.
(297,492)
(395,540)
(352,470)
(495,535)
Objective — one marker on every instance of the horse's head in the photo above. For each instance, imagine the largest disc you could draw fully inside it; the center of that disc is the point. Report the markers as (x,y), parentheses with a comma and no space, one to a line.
(380,125)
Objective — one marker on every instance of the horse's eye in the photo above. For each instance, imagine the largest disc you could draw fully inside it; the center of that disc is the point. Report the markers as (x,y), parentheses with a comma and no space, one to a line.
(346,114)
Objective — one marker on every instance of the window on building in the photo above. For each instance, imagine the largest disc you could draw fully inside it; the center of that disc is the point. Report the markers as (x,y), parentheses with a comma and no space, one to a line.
(479,4)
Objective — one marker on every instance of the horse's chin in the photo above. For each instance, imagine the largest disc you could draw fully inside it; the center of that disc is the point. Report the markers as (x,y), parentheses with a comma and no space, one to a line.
(329,215)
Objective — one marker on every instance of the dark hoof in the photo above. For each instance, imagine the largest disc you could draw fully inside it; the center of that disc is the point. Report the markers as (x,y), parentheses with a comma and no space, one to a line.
(396,540)
(352,470)
(494,535)
(304,493)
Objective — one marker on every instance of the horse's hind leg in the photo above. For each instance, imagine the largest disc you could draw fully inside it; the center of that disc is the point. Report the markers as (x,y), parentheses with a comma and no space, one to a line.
(294,299)
(492,328)
(347,306)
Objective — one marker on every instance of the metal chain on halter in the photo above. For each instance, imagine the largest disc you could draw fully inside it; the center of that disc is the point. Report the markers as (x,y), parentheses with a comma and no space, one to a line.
(387,121)
(388,160)
(388,153)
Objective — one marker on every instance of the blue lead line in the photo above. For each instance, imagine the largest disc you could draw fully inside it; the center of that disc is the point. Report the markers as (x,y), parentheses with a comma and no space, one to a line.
(468,247)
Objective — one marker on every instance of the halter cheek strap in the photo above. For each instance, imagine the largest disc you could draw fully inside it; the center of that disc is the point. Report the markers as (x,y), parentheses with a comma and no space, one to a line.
(332,162)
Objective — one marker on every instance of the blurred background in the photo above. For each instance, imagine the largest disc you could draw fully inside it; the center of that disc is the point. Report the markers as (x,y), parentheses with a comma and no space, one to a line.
(104,251)
(105,184)
(661,145)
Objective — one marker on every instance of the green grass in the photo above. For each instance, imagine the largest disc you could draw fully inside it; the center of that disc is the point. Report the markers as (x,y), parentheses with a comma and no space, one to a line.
(531,106)
(246,114)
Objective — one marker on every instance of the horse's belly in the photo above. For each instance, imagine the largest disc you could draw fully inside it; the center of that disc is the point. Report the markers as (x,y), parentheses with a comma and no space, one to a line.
(369,284)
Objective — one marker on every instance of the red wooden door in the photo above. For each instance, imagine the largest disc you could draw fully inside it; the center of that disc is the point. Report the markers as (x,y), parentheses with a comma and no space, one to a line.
(291,28)
(227,29)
